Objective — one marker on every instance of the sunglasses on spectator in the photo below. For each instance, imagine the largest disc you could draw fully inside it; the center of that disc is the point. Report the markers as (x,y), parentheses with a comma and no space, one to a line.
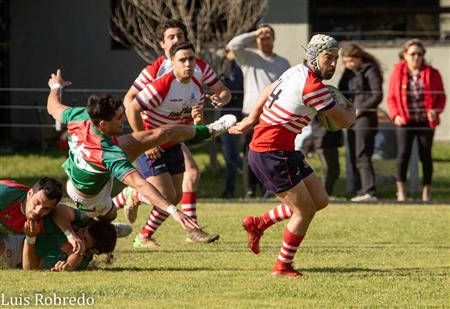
(416,54)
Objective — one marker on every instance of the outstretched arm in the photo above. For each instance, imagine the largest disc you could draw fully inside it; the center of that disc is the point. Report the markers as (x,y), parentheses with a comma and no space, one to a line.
(137,143)
(54,105)
(62,215)
(154,197)
(221,96)
(248,122)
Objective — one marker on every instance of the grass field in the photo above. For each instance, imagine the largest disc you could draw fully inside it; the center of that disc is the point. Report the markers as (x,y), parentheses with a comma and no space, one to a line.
(354,256)
(27,168)
(371,256)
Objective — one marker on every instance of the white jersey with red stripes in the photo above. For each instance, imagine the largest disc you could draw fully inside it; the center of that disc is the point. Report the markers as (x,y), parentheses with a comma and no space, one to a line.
(169,101)
(295,100)
(162,65)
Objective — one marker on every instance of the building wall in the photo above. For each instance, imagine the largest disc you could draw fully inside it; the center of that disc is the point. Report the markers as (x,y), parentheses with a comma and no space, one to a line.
(70,35)
(74,36)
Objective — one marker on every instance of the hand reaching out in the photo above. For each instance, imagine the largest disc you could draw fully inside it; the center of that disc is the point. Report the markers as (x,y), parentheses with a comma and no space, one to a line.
(56,79)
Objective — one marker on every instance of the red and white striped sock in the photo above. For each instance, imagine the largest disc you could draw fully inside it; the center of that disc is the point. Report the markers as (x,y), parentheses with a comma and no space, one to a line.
(277,214)
(156,218)
(291,242)
(139,197)
(120,199)
(189,205)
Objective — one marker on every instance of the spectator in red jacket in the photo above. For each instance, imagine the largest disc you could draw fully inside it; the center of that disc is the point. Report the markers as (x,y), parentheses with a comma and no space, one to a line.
(415,99)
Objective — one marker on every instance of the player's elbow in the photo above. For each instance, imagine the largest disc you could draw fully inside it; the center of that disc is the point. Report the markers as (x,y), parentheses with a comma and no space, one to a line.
(51,111)
(128,100)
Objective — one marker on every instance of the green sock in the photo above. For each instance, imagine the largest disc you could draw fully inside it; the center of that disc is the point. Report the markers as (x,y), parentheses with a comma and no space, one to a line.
(201,133)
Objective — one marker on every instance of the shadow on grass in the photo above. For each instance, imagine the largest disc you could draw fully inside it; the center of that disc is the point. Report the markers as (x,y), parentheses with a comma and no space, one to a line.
(402,271)
(441,271)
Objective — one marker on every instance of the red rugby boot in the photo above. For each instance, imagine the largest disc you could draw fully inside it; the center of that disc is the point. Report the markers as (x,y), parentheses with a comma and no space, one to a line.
(254,233)
(284,269)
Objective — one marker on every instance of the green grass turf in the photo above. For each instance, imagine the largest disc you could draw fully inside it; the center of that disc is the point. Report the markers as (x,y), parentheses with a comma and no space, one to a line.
(371,256)
(27,168)
(367,256)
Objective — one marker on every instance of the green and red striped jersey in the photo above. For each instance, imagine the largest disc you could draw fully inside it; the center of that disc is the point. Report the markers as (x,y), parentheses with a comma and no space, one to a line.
(93,157)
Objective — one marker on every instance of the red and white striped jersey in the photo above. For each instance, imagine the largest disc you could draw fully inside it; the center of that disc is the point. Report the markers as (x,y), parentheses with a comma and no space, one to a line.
(162,65)
(295,100)
(168,101)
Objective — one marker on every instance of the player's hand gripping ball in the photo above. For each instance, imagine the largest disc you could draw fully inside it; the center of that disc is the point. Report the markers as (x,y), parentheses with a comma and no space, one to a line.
(339,98)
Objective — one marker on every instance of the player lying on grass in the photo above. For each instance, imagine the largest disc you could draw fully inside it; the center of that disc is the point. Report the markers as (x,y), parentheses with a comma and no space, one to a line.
(97,154)
(19,203)
(281,111)
(50,250)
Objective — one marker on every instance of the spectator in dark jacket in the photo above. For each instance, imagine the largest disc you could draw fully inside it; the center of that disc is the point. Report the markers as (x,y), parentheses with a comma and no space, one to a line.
(231,144)
(362,83)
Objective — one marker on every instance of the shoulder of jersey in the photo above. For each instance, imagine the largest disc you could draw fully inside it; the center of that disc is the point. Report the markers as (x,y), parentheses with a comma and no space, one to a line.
(313,83)
(153,68)
(201,64)
(162,84)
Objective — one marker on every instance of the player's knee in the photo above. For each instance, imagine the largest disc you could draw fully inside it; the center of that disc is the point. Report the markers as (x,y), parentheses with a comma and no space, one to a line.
(307,213)
(192,175)
(322,201)
(172,196)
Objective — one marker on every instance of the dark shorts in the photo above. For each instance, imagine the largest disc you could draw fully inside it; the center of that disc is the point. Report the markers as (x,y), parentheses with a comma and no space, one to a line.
(280,170)
(171,161)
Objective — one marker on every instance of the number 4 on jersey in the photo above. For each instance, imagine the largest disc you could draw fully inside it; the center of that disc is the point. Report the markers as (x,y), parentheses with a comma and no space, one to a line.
(275,95)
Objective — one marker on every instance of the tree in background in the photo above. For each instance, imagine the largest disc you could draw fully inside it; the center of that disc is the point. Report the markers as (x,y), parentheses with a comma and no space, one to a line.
(210,23)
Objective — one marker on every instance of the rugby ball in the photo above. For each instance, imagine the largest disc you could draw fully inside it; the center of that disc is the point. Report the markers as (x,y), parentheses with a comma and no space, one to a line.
(339,98)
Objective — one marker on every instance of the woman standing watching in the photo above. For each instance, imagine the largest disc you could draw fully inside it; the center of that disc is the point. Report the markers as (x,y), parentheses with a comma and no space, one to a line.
(415,99)
(361,83)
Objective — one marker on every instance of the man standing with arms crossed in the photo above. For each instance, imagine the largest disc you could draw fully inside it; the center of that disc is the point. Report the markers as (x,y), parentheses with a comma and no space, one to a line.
(261,67)
(169,33)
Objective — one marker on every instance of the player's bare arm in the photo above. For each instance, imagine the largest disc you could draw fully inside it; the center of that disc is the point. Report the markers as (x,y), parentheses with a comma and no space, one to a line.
(248,122)
(29,258)
(61,216)
(133,112)
(341,115)
(221,96)
(154,197)
(54,105)
(197,114)
(129,97)
(136,143)
(71,264)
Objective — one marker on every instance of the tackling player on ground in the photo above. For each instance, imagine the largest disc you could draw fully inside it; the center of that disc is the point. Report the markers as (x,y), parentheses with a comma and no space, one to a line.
(19,203)
(281,112)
